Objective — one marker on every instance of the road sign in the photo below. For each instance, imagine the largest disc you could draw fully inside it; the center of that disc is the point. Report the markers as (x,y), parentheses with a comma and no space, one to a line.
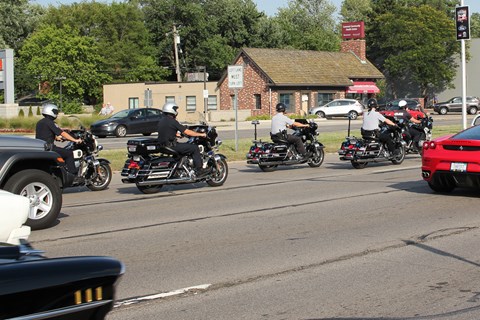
(148,102)
(462,18)
(235,77)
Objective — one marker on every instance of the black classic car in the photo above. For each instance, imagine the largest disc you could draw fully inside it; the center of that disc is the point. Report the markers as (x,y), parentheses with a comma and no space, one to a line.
(35,287)
(141,120)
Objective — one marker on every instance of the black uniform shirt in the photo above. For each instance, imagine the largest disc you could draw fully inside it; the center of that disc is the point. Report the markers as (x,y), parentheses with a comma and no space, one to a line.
(47,130)
(403,114)
(167,130)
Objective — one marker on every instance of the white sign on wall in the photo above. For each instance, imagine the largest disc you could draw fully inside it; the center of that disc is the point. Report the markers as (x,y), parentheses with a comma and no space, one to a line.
(235,77)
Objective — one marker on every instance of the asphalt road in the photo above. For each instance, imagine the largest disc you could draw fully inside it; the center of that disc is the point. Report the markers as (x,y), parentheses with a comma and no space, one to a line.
(245,130)
(298,243)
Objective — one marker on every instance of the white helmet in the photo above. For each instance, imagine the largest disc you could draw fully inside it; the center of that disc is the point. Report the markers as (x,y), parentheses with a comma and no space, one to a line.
(402,104)
(170,107)
(49,109)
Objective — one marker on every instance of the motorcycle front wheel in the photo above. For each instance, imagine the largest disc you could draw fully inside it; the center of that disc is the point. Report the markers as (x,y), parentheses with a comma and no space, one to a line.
(103,178)
(317,158)
(149,189)
(219,174)
(358,165)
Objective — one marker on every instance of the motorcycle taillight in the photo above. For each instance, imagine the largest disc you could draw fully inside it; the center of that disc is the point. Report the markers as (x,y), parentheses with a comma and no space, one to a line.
(133,165)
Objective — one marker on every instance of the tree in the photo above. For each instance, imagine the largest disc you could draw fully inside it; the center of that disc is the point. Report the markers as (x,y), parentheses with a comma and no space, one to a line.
(355,10)
(120,34)
(51,52)
(309,25)
(422,52)
(475,25)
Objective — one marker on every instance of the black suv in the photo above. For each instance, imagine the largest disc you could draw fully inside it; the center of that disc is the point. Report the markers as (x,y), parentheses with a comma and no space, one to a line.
(28,169)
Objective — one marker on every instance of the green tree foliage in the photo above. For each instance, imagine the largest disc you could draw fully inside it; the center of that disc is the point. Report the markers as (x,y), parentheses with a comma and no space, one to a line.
(422,52)
(53,52)
(355,10)
(309,25)
(120,35)
(475,25)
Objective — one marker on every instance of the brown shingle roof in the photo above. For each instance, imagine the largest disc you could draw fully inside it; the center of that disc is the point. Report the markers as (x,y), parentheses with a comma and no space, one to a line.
(301,67)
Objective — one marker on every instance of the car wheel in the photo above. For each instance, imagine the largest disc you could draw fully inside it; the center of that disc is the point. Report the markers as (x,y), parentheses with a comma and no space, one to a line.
(443,110)
(121,131)
(44,194)
(320,114)
(472,110)
(353,115)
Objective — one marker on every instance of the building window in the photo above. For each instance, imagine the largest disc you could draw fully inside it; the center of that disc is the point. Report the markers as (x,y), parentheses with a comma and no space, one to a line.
(287,99)
(191,103)
(324,98)
(132,103)
(258,101)
(212,103)
(169,99)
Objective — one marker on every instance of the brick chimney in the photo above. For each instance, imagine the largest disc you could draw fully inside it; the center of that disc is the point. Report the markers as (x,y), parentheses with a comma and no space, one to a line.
(357,46)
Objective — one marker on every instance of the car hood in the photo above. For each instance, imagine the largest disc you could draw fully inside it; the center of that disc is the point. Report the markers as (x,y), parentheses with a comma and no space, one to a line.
(19,142)
(103,122)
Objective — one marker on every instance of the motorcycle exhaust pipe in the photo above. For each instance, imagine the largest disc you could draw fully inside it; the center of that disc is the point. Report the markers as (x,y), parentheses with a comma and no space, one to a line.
(426,174)
(163,181)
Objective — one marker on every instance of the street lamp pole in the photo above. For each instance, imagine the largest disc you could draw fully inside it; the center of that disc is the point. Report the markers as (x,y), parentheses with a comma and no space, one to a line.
(60,79)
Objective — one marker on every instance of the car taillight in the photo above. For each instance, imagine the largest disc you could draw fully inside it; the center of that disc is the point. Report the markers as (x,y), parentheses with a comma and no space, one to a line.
(429,145)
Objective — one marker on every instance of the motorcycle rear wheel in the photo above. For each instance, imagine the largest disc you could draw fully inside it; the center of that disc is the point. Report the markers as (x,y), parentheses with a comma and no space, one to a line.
(358,165)
(104,176)
(265,168)
(149,189)
(399,159)
(317,158)
(219,176)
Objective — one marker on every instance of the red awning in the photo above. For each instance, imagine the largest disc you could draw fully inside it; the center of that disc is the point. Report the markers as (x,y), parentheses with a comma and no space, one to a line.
(363,87)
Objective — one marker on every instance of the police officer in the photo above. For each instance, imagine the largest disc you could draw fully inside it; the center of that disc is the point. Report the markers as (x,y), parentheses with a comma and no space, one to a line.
(280,123)
(48,131)
(371,122)
(403,113)
(169,129)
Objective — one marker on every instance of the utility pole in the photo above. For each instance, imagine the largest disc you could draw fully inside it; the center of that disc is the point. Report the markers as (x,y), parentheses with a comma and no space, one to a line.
(60,79)
(176,43)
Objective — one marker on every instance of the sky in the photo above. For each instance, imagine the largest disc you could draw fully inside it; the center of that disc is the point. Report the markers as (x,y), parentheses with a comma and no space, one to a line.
(268,6)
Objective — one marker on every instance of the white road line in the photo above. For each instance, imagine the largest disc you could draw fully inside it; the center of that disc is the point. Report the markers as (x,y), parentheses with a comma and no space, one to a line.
(397,169)
(160,295)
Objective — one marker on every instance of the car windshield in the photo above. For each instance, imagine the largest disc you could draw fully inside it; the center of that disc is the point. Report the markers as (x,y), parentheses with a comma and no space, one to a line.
(472,133)
(120,114)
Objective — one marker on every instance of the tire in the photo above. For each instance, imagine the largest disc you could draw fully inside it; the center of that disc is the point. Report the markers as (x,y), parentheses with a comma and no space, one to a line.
(472,110)
(317,158)
(265,168)
(358,165)
(353,115)
(320,114)
(149,189)
(146,134)
(448,187)
(121,131)
(399,159)
(219,176)
(44,194)
(104,176)
(102,136)
(443,110)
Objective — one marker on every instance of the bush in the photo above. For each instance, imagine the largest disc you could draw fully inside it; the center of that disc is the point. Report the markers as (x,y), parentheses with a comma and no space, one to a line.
(30,112)
(38,111)
(72,107)
(21,114)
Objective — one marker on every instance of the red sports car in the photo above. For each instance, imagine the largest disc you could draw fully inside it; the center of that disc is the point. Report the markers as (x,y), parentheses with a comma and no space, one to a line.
(452,161)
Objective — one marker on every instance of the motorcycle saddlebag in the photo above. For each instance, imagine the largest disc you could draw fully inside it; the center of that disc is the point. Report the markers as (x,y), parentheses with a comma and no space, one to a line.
(143,146)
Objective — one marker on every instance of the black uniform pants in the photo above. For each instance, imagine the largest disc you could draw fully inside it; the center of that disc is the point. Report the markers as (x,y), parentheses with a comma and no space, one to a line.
(67,155)
(190,149)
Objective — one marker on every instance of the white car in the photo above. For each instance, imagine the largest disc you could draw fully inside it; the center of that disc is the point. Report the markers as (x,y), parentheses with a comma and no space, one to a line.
(339,108)
(13,214)
(476,120)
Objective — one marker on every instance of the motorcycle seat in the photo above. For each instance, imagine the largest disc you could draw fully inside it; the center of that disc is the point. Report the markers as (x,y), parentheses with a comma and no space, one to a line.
(277,139)
(168,150)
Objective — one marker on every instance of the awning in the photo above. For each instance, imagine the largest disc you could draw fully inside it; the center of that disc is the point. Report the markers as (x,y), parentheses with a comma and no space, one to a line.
(363,87)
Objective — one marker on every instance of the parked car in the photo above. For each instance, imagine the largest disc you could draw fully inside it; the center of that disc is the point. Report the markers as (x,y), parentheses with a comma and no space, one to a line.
(130,121)
(415,108)
(13,215)
(452,161)
(339,108)
(455,105)
(27,168)
(33,286)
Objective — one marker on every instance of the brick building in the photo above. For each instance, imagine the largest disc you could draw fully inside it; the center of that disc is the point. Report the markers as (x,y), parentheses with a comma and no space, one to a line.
(300,79)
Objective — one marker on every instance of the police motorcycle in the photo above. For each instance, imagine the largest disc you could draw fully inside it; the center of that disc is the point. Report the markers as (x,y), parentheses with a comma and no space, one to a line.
(269,155)
(150,166)
(425,129)
(95,173)
(361,151)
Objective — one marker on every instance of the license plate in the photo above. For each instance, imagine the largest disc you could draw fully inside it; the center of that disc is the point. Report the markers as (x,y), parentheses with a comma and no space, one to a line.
(458,166)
